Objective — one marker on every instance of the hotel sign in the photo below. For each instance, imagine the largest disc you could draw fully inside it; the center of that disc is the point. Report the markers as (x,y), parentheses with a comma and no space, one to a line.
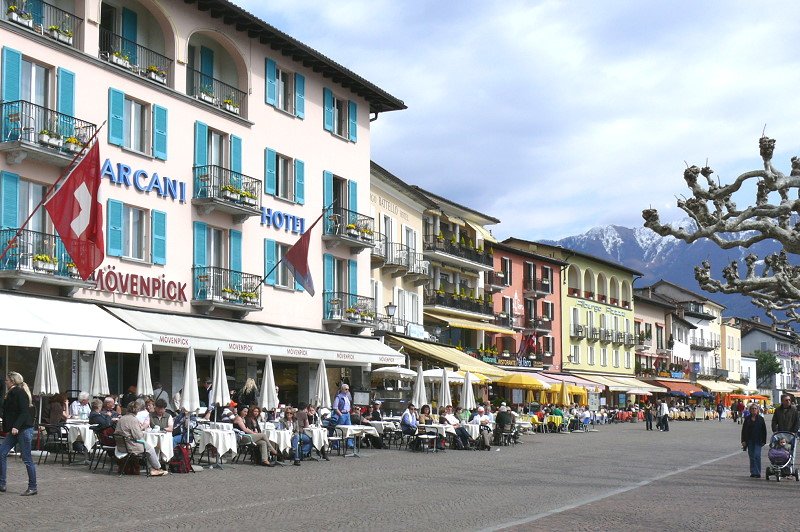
(108,279)
(124,175)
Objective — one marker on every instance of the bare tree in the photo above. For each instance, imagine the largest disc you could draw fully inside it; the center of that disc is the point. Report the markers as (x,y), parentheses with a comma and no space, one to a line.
(774,283)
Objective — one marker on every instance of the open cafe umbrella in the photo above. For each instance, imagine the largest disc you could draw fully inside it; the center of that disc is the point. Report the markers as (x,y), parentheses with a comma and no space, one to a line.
(322,392)
(467,394)
(269,395)
(435,375)
(220,394)
(419,397)
(444,391)
(394,372)
(98,384)
(144,385)
(45,382)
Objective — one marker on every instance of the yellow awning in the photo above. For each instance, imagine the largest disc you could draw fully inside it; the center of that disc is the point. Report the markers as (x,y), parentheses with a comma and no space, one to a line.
(472,325)
(450,355)
(522,381)
(487,236)
(717,387)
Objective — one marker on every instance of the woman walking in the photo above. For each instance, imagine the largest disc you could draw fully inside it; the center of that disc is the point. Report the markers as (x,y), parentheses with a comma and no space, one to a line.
(17,422)
(754,437)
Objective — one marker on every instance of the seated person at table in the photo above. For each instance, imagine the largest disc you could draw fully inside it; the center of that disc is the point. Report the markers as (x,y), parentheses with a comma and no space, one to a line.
(356,418)
(300,442)
(106,416)
(57,409)
(103,427)
(557,412)
(129,427)
(160,417)
(408,421)
(143,415)
(243,432)
(482,420)
(425,417)
(461,438)
(504,422)
(253,419)
(80,409)
(179,434)
(462,414)
(375,414)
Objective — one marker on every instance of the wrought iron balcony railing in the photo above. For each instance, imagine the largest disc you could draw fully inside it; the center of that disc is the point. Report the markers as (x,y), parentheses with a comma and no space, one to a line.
(215,92)
(542,286)
(433,243)
(44,18)
(577,331)
(379,250)
(417,263)
(397,255)
(211,283)
(459,302)
(350,224)
(504,319)
(220,183)
(496,278)
(347,307)
(36,252)
(23,121)
(541,324)
(134,57)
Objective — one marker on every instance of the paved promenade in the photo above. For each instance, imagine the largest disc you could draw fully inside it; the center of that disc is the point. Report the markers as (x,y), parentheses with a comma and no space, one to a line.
(694,477)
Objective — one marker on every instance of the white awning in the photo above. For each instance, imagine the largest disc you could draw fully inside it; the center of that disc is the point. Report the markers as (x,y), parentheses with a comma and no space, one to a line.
(246,338)
(485,233)
(24,320)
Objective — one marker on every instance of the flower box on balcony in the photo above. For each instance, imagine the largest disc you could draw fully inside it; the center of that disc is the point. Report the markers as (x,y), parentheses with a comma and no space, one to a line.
(45,263)
(230,107)
(73,145)
(44,138)
(248,198)
(55,142)
(157,77)
(229,295)
(208,98)
(230,193)
(120,60)
(23,19)
(72,270)
(351,230)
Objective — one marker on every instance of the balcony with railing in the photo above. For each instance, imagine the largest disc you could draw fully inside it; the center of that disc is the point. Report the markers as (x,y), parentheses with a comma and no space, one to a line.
(606,335)
(215,92)
(343,309)
(508,320)
(630,339)
(703,344)
(46,19)
(348,228)
(221,288)
(419,269)
(536,287)
(453,252)
(541,325)
(593,334)
(495,281)
(37,257)
(577,331)
(643,342)
(719,373)
(618,337)
(221,189)
(134,57)
(696,310)
(458,302)
(396,259)
(378,251)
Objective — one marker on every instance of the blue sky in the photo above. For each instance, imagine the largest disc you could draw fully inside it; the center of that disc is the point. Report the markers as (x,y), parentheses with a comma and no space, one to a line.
(558,116)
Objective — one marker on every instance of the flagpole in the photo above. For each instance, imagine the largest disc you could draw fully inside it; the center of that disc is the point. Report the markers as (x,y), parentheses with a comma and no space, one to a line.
(64,173)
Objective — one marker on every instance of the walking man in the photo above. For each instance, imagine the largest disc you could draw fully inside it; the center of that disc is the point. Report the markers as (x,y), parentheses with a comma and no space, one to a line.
(648,415)
(663,415)
(786,417)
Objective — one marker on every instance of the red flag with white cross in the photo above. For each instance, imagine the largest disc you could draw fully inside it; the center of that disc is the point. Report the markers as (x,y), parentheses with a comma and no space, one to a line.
(77,214)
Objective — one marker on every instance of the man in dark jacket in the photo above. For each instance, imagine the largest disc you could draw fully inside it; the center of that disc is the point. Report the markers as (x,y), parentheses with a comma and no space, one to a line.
(754,437)
(786,417)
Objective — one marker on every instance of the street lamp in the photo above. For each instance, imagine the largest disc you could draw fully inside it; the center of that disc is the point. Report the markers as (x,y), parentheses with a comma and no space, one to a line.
(391,308)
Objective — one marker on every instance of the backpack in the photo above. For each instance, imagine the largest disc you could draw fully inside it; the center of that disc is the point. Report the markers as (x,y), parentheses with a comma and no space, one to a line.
(181,461)
(106,437)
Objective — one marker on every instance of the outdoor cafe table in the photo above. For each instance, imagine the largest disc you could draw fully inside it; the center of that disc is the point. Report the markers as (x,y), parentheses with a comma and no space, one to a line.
(524,426)
(441,430)
(161,442)
(80,431)
(556,420)
(281,438)
(357,431)
(381,426)
(222,440)
(318,435)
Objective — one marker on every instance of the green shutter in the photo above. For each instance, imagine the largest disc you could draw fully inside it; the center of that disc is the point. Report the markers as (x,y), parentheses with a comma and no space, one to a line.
(327,190)
(9,200)
(272,84)
(327,115)
(299,96)
(235,259)
(200,244)
(327,273)
(270,258)
(299,182)
(116,117)
(160,120)
(159,224)
(129,34)
(352,281)
(270,182)
(352,196)
(236,161)
(200,144)
(352,119)
(114,224)
(11,75)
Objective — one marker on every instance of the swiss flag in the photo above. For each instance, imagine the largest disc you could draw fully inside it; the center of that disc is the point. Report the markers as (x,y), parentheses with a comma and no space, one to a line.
(78,215)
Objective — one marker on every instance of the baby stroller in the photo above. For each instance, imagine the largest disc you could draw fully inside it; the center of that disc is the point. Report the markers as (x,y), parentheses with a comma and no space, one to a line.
(781,456)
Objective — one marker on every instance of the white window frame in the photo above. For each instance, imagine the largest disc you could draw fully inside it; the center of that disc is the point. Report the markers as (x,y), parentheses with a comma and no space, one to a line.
(216,148)
(547,278)
(283,277)
(505,267)
(548,310)
(284,90)
(29,195)
(615,355)
(576,354)
(628,359)
(548,344)
(341,118)
(216,247)
(30,75)
(136,112)
(284,177)
(603,356)
(590,355)
(130,235)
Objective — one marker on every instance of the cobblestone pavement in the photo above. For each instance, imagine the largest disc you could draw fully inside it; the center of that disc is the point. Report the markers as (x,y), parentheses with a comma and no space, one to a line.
(619,478)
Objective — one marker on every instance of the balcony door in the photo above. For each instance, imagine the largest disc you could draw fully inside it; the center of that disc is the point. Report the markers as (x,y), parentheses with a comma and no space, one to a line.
(35,83)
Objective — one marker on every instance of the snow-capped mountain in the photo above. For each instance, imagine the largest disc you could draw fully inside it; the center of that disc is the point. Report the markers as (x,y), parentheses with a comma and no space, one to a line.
(667,258)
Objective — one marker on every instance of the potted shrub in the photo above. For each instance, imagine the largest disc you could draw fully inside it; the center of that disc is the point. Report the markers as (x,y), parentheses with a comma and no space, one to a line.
(230,192)
(156,74)
(440,237)
(19,15)
(249,198)
(229,294)
(44,262)
(352,230)
(207,95)
(229,105)
(73,145)
(120,58)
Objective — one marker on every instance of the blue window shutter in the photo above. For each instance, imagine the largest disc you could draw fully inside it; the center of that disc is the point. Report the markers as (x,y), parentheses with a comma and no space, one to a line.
(66,92)
(160,120)
(327,190)
(352,280)
(352,196)
(270,258)
(116,117)
(236,250)
(200,144)
(11,75)
(129,34)
(200,244)
(327,272)
(236,161)
(327,115)
(352,118)
(270,183)
(272,83)
(9,200)
(207,69)
(299,181)
(159,223)
(114,228)
(299,96)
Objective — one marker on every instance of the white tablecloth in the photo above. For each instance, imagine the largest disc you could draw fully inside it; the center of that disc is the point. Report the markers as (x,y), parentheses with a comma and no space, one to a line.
(473,430)
(80,432)
(441,430)
(524,426)
(318,435)
(162,443)
(222,440)
(351,431)
(381,426)
(281,438)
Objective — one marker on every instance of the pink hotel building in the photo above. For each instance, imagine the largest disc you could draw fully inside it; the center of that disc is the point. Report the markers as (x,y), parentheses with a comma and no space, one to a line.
(224,140)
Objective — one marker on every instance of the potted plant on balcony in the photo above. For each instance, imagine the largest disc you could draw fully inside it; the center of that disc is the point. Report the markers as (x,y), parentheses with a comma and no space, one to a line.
(72,269)
(207,95)
(156,74)
(60,33)
(352,230)
(351,313)
(249,198)
(120,58)
(366,232)
(44,137)
(229,294)
(249,298)
(44,262)
(230,105)
(367,316)
(230,192)
(440,237)
(19,15)
(55,140)
(73,145)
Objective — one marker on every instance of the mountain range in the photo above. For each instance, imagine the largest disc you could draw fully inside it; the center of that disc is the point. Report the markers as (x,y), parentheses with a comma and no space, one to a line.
(668,258)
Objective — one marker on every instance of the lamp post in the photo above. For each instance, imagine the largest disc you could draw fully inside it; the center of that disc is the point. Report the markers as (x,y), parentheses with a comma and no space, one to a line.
(391,308)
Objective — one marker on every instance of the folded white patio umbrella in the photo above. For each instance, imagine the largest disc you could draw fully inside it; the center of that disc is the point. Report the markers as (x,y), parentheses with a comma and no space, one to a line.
(144,385)
(220,394)
(269,395)
(45,382)
(467,394)
(394,372)
(98,384)
(420,397)
(435,375)
(444,390)
(322,393)
(190,396)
